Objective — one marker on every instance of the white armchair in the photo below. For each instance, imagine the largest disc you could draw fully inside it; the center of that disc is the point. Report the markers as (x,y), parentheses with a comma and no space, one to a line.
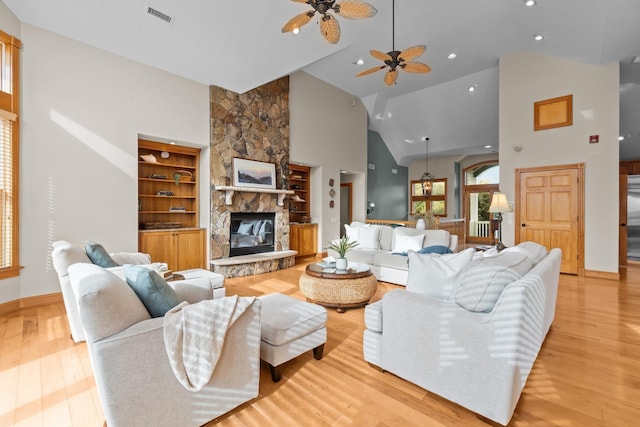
(136,384)
(64,254)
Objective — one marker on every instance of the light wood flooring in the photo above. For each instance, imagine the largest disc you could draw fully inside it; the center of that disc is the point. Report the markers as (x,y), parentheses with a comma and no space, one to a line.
(587,373)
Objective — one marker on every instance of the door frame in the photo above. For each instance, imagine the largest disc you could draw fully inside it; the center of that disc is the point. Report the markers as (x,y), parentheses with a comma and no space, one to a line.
(623,221)
(580,172)
(480,188)
(349,186)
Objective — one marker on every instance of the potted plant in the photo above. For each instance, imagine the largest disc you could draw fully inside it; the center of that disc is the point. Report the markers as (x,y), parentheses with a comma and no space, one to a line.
(424,219)
(342,246)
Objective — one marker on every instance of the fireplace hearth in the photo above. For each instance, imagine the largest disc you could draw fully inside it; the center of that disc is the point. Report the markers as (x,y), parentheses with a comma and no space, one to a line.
(251,233)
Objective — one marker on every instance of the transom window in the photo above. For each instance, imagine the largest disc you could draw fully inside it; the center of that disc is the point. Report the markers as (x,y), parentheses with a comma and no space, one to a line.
(483,174)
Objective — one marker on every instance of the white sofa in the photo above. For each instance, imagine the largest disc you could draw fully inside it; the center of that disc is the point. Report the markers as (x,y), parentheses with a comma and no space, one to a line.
(135,381)
(64,254)
(377,250)
(479,359)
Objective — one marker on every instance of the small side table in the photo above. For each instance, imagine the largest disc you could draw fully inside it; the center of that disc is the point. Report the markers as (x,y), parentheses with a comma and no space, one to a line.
(339,289)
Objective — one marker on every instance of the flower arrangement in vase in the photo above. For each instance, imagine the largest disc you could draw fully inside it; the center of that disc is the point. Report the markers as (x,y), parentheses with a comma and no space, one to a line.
(424,219)
(342,246)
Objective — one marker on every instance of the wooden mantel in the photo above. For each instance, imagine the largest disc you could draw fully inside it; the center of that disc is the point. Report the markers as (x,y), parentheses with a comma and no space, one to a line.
(230,190)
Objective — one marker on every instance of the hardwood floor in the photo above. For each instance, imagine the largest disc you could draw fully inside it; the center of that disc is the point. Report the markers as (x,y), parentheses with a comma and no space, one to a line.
(587,373)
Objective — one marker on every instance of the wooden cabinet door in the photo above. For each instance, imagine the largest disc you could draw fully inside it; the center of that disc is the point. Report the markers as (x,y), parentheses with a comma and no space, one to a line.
(190,249)
(307,240)
(293,238)
(549,212)
(160,245)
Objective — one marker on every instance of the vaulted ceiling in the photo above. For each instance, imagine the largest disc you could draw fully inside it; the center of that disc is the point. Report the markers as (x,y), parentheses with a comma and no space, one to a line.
(238,45)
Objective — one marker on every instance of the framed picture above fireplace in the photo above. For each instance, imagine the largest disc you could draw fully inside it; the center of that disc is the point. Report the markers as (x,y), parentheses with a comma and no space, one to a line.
(251,173)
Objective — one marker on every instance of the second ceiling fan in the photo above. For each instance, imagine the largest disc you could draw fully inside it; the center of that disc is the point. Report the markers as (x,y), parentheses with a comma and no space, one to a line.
(397,59)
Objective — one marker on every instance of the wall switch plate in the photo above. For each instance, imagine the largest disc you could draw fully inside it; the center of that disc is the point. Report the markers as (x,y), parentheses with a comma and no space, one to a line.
(372,166)
(394,171)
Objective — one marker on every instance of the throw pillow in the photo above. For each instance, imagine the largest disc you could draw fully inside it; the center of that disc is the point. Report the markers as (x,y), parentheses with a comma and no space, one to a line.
(351,232)
(435,249)
(479,286)
(369,238)
(408,243)
(156,294)
(535,251)
(436,275)
(98,255)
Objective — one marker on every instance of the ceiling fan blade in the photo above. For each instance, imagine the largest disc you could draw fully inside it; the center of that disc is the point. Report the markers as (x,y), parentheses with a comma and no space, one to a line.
(412,53)
(390,77)
(355,9)
(330,29)
(297,21)
(380,55)
(300,1)
(415,67)
(370,70)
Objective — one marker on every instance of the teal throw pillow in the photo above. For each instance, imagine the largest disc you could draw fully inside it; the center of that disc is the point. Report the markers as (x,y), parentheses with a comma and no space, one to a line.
(98,255)
(156,294)
(435,249)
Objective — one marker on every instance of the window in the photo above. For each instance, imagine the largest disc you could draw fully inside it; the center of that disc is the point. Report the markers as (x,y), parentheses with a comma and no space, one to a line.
(436,202)
(9,138)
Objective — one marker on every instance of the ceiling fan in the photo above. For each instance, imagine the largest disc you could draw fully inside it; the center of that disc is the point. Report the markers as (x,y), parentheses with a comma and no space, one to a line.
(397,59)
(329,26)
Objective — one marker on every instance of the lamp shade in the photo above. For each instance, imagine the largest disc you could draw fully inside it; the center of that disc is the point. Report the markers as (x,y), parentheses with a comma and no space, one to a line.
(499,203)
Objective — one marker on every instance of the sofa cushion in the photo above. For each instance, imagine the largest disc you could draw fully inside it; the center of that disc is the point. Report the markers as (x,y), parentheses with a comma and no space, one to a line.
(404,243)
(436,275)
(156,294)
(98,255)
(436,238)
(284,318)
(386,237)
(390,260)
(369,237)
(479,286)
(365,256)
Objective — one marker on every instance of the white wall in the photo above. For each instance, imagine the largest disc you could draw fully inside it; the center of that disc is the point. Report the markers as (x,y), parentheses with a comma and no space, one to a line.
(528,77)
(328,130)
(82,112)
(442,167)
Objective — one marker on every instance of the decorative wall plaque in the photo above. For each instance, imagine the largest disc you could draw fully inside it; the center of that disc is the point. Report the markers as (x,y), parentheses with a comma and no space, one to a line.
(553,113)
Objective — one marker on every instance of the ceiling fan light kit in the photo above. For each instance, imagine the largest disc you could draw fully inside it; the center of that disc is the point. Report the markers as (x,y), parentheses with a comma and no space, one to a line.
(329,26)
(396,59)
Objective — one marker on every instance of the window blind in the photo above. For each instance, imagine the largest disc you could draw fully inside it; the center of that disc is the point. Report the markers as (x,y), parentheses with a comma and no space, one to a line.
(6,189)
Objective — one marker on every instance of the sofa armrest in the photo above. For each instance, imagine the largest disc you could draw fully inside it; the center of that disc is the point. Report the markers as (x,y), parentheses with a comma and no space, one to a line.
(453,243)
(136,258)
(193,290)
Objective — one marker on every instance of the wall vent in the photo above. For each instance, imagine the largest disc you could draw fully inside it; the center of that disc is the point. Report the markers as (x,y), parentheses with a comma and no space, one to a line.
(154,12)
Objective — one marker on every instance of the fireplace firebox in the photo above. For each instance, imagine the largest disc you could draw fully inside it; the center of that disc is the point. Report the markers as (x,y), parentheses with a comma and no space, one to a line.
(251,233)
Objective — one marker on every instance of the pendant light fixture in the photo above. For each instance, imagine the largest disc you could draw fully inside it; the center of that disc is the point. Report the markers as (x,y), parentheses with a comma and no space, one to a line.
(426,180)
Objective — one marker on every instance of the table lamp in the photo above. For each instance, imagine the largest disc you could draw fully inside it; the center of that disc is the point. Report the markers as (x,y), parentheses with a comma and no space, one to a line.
(499,205)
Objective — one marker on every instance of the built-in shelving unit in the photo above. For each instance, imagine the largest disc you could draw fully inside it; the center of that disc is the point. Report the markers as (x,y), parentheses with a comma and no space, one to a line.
(303,235)
(168,205)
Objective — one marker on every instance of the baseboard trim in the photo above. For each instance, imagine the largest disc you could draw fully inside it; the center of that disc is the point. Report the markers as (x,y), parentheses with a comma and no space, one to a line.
(30,302)
(602,274)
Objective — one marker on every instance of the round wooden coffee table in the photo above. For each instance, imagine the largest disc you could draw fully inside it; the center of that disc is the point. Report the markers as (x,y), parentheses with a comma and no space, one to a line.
(340,289)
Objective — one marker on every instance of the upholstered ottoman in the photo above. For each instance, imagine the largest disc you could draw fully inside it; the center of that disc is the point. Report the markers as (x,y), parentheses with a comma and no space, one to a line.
(216,280)
(290,327)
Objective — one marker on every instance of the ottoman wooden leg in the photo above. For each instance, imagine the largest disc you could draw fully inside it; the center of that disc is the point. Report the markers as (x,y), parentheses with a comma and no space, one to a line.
(317,352)
(276,374)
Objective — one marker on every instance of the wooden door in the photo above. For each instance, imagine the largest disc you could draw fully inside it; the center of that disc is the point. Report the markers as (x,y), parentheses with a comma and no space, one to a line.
(622,223)
(160,245)
(550,211)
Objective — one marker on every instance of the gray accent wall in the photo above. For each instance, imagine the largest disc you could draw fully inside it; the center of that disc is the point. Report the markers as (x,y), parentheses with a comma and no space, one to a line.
(388,190)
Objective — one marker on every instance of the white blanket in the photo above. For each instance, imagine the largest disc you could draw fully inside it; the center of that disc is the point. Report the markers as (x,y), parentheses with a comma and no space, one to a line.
(194,336)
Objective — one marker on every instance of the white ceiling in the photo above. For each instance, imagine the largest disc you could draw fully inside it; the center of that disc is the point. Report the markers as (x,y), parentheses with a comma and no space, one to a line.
(238,45)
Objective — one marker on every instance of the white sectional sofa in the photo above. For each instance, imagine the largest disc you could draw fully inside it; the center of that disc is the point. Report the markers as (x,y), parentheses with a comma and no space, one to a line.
(471,334)
(377,244)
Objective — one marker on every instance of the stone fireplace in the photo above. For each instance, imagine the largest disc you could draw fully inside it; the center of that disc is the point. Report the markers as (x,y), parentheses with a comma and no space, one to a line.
(253,125)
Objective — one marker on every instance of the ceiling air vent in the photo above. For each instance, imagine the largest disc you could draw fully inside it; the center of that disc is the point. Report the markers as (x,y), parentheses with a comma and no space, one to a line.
(153,12)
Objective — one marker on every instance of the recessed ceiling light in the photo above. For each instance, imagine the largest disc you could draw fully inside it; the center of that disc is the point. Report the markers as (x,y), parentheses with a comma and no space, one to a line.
(472,88)
(452,55)
(621,138)
(409,141)
(538,37)
(360,61)
(487,146)
(529,3)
